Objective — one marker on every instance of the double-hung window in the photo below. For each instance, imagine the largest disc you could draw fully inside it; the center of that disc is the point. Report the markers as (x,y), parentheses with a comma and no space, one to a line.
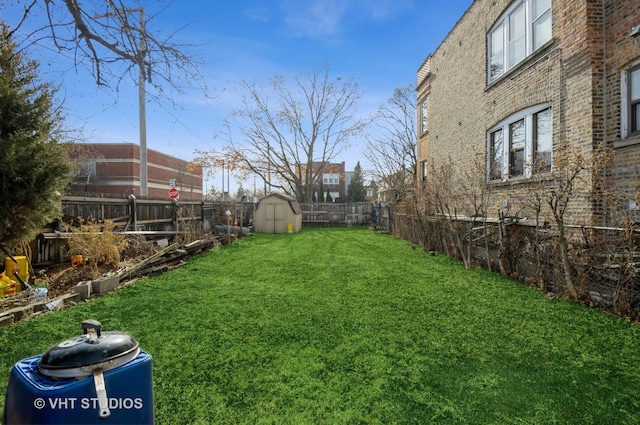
(330,179)
(496,152)
(630,94)
(496,52)
(423,170)
(517,141)
(423,116)
(542,140)
(521,145)
(541,25)
(89,168)
(520,31)
(634,100)
(516,35)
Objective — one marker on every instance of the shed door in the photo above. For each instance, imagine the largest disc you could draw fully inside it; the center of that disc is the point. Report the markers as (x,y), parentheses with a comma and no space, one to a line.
(275,218)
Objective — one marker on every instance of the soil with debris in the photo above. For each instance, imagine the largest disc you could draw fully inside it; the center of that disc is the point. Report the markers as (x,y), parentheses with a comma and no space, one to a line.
(62,279)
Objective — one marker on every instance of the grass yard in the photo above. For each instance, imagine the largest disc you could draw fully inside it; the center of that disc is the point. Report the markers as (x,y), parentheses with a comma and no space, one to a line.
(349,326)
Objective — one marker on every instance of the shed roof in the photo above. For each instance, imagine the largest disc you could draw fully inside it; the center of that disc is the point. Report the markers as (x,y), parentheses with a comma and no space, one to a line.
(293,202)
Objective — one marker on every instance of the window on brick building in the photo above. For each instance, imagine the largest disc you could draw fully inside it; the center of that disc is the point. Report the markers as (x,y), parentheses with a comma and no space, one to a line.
(496,55)
(542,140)
(522,29)
(630,107)
(423,116)
(521,145)
(328,178)
(495,154)
(423,170)
(634,99)
(516,36)
(516,148)
(541,26)
(89,168)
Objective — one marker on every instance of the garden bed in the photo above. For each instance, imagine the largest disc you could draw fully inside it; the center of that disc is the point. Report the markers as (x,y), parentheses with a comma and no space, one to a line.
(61,282)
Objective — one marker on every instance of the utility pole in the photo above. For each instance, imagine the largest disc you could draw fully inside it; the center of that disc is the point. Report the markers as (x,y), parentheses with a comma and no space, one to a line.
(142,112)
(142,78)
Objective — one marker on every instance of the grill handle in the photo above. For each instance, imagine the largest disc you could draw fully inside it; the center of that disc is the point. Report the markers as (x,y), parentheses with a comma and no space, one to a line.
(91,325)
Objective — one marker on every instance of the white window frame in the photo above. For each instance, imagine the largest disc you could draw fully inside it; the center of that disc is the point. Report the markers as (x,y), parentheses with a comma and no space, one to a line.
(518,156)
(626,101)
(501,31)
(495,173)
(89,167)
(535,20)
(541,161)
(505,172)
(330,179)
(423,116)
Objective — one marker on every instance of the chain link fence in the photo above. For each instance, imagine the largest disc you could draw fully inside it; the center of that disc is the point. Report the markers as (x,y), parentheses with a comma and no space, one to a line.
(603,263)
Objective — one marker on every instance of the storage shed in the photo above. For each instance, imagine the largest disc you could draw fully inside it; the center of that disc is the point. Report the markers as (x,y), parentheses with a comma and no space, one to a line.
(277,213)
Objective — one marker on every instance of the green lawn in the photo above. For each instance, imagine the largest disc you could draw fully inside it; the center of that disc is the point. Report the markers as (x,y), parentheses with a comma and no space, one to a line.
(349,326)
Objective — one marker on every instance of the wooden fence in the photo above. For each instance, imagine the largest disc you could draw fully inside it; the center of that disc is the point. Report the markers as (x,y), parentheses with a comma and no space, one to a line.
(605,262)
(336,214)
(165,218)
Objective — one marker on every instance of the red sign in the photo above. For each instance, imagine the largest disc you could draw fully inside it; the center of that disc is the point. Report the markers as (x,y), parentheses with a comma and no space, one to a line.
(173,193)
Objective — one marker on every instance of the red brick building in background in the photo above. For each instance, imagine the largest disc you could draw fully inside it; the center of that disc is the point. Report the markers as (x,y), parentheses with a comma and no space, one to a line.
(331,181)
(114,168)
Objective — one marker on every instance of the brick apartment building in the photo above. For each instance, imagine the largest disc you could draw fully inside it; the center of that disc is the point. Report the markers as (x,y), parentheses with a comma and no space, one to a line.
(114,168)
(514,79)
(334,181)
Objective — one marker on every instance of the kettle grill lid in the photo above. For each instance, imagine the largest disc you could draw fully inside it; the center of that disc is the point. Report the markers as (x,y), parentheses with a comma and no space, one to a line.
(94,349)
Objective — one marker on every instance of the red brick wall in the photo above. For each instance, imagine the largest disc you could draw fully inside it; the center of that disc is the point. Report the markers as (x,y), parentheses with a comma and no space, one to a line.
(332,168)
(118,172)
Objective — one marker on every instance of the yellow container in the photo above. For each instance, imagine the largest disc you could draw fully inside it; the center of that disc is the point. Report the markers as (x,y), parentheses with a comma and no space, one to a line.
(7,286)
(289,228)
(21,266)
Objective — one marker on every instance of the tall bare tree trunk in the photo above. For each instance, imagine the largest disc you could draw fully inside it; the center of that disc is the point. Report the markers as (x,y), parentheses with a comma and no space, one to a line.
(564,254)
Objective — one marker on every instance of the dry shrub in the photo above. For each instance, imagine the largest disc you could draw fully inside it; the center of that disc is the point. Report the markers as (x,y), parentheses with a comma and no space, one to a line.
(97,243)
(138,246)
(187,224)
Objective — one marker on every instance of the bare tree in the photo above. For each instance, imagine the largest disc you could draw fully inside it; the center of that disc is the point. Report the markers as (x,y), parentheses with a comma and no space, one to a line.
(477,192)
(292,131)
(448,201)
(574,174)
(116,38)
(620,252)
(391,142)
(82,159)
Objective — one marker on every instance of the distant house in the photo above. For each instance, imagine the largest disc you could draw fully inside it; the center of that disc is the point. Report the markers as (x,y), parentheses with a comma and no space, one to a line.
(514,79)
(114,168)
(332,181)
(372,191)
(394,187)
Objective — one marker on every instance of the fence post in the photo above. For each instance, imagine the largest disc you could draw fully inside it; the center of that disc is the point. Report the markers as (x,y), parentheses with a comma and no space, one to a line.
(134,212)
(202,215)
(174,214)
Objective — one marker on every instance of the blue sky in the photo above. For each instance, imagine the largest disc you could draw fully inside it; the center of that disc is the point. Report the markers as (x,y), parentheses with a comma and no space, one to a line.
(381,43)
